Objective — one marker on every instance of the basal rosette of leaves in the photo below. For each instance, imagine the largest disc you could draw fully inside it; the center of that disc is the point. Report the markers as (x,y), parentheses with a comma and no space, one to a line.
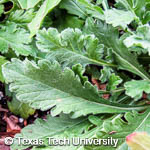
(84,61)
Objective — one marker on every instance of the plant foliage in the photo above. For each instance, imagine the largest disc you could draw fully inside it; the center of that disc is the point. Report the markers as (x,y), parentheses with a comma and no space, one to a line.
(84,61)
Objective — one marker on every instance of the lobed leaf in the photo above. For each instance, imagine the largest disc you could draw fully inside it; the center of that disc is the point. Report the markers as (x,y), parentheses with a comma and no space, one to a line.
(71,47)
(46,86)
(135,122)
(109,36)
(119,18)
(64,127)
(82,8)
(54,127)
(140,38)
(113,82)
(16,38)
(21,16)
(135,88)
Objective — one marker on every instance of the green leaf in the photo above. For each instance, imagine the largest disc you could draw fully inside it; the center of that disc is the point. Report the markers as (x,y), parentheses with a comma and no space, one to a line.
(113,82)
(95,120)
(46,86)
(71,47)
(119,18)
(136,7)
(26,4)
(140,38)
(55,127)
(135,88)
(92,10)
(109,36)
(1,9)
(117,128)
(21,16)
(105,74)
(64,127)
(16,38)
(2,61)
(130,4)
(47,6)
(134,122)
(78,70)
(146,17)
(98,2)
(17,107)
(82,8)
(73,7)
